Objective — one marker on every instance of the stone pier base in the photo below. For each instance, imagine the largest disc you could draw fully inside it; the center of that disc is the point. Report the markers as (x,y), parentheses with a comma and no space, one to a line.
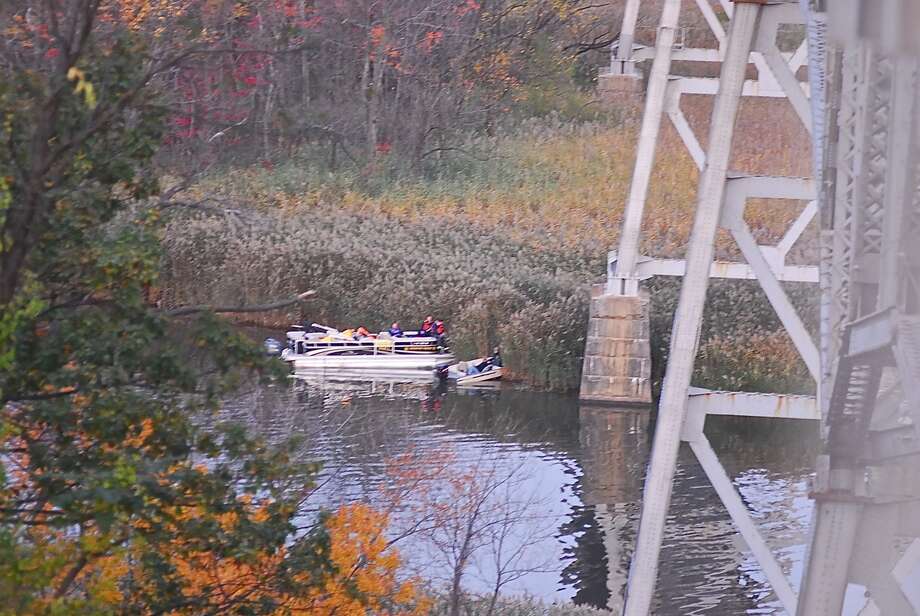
(617,89)
(618,365)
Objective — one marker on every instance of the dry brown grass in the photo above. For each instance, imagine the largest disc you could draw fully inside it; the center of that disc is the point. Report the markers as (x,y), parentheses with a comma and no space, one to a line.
(565,185)
(765,362)
(554,190)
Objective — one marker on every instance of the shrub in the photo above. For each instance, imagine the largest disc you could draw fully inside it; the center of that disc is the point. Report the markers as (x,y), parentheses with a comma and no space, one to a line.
(516,606)
(766,362)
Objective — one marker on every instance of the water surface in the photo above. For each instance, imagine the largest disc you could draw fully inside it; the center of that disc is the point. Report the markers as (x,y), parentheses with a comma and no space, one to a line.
(564,485)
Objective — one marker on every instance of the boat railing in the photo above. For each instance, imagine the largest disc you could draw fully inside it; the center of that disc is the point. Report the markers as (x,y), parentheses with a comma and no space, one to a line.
(379,344)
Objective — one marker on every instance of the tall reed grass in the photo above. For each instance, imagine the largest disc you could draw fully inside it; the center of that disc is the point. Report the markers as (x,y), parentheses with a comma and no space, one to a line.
(502,241)
(374,269)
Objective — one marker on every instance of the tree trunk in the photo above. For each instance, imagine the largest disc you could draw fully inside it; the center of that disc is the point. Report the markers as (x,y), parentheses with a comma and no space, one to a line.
(304,67)
(372,86)
(266,123)
(25,220)
(370,120)
(456,590)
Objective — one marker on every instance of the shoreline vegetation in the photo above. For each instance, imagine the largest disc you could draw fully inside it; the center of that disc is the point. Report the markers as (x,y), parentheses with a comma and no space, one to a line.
(502,242)
(168,160)
(515,606)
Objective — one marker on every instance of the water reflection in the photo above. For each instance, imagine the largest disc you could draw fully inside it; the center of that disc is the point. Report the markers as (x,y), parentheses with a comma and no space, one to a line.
(613,444)
(583,468)
(705,568)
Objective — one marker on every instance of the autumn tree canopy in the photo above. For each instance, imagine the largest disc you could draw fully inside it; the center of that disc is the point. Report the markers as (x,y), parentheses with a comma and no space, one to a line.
(112,499)
(350,82)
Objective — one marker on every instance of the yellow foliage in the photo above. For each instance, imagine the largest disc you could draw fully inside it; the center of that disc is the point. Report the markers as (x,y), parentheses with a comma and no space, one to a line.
(135,14)
(366,562)
(365,578)
(82,86)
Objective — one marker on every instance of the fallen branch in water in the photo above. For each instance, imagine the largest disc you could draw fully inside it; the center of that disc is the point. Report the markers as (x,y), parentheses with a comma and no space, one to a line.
(284,303)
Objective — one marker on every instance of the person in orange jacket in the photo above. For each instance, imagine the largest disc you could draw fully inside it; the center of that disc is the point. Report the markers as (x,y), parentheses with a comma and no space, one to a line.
(439,331)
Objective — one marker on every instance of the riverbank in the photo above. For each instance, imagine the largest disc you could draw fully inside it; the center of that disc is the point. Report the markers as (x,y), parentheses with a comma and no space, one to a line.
(504,249)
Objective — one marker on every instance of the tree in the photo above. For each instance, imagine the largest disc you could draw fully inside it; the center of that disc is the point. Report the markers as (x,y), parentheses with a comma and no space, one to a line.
(367,80)
(112,499)
(468,518)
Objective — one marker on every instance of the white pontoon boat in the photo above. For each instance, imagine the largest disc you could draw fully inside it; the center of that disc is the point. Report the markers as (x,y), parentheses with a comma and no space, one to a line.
(327,348)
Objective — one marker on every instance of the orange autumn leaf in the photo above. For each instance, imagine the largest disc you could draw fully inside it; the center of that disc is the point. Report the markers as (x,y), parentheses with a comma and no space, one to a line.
(364,560)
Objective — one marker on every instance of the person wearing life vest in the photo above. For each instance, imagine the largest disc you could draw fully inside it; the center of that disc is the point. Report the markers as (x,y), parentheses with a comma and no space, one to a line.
(439,331)
(427,327)
(395,331)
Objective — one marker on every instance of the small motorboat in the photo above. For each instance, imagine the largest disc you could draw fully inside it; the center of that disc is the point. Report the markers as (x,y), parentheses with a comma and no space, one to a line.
(476,371)
(272,347)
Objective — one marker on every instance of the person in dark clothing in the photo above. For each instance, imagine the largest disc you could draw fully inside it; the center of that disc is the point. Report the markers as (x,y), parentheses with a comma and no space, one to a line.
(483,365)
(395,331)
(496,357)
(493,361)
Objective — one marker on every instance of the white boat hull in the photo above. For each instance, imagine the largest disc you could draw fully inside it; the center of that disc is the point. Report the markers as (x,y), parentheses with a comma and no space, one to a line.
(494,374)
(381,362)
(353,376)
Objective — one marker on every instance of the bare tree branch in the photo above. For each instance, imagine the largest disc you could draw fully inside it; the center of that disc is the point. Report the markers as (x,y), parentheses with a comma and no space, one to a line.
(284,303)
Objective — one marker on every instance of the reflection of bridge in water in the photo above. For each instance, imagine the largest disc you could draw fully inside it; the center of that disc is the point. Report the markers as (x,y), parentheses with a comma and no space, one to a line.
(861,108)
(700,571)
(615,447)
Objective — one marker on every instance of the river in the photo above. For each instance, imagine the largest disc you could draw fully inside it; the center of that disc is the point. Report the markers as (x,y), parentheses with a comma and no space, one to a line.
(563,481)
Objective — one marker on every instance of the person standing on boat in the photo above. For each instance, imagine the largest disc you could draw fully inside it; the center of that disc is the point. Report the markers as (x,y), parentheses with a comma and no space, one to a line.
(427,327)
(439,331)
(395,331)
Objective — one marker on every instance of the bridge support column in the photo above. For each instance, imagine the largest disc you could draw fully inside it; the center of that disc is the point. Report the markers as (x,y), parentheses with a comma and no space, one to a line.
(687,322)
(622,82)
(617,365)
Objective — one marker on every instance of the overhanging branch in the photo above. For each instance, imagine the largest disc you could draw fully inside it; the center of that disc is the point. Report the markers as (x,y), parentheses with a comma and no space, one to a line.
(284,303)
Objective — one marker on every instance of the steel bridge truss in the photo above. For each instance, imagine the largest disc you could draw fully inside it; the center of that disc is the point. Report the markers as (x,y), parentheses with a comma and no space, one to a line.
(867,489)
(862,109)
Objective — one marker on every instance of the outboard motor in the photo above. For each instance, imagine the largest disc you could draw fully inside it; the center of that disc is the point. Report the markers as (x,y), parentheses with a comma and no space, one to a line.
(272,347)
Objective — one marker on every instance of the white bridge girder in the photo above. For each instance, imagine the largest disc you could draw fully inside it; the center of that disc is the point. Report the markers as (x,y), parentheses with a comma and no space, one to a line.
(682,411)
(862,109)
(649,267)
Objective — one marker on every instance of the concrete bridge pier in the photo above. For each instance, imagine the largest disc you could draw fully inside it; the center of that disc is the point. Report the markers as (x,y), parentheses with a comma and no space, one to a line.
(617,365)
